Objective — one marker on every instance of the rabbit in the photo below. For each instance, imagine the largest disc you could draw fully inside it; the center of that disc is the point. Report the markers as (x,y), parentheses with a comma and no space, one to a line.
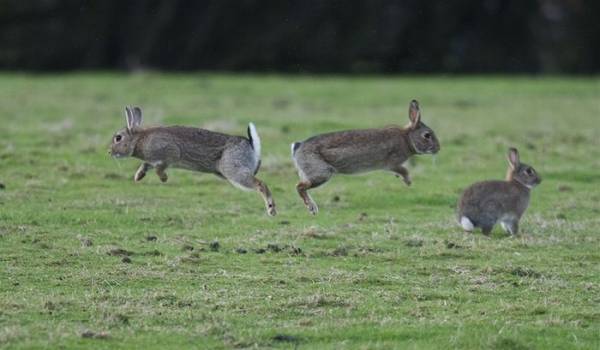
(318,158)
(485,203)
(234,158)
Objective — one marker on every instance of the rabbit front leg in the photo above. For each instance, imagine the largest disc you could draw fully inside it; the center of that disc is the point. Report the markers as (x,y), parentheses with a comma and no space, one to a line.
(510,226)
(141,172)
(160,171)
(486,229)
(487,224)
(399,170)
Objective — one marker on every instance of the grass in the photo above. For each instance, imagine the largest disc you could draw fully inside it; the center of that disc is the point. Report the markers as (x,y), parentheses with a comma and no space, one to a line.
(90,259)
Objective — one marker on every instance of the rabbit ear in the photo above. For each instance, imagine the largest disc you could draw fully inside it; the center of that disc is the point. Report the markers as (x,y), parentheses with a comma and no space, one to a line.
(137,116)
(513,158)
(414,113)
(133,115)
(128,117)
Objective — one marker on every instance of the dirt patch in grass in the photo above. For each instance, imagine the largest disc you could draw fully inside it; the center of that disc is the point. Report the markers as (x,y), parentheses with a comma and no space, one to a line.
(525,272)
(339,251)
(187,247)
(86,242)
(285,338)
(452,245)
(154,252)
(314,232)
(119,252)
(214,246)
(192,258)
(241,250)
(414,242)
(319,301)
(94,335)
(279,248)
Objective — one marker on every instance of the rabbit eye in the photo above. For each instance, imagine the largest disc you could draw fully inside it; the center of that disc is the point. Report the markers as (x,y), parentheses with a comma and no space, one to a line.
(427,135)
(118,138)
(529,171)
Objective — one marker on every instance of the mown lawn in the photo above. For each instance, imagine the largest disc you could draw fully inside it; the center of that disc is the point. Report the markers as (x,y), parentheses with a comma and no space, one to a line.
(90,259)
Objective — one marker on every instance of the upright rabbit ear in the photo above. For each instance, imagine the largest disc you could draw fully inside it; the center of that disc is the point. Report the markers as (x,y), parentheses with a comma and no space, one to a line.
(128,117)
(414,114)
(513,158)
(137,116)
(133,115)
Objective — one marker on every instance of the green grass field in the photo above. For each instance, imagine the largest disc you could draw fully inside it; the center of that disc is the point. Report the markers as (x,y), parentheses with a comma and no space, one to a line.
(88,258)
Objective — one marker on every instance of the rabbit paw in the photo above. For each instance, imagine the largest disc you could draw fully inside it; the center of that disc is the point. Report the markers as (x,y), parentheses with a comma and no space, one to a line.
(139,175)
(271,211)
(312,207)
(162,176)
(406,178)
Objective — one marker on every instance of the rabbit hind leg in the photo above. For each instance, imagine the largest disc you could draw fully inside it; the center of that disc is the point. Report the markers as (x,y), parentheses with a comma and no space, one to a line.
(245,180)
(312,181)
(467,224)
(313,173)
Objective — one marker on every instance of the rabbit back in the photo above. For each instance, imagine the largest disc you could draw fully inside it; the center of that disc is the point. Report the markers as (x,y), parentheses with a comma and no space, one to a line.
(353,151)
(485,203)
(189,148)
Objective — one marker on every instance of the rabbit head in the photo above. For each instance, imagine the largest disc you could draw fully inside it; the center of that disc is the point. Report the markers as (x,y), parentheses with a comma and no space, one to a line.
(124,140)
(520,172)
(421,137)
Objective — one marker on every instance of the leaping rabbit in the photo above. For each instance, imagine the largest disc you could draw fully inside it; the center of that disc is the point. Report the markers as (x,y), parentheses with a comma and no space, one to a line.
(349,152)
(234,158)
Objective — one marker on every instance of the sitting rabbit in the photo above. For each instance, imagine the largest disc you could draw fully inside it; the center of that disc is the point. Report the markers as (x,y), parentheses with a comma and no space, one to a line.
(234,158)
(485,203)
(348,152)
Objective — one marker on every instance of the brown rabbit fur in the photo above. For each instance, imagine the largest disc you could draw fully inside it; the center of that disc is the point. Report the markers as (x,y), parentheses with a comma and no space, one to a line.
(348,152)
(234,158)
(485,203)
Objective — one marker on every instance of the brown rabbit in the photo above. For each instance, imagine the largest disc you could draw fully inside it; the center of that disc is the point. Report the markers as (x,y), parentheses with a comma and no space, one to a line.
(348,152)
(234,158)
(485,203)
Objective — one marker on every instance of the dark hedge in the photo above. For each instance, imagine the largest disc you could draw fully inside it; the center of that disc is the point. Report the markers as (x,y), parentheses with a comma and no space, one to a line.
(377,36)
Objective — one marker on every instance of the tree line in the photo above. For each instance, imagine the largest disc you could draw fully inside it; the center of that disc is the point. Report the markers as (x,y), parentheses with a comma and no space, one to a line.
(332,36)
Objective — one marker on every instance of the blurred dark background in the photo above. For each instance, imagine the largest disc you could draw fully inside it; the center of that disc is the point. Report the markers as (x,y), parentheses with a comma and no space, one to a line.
(350,36)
